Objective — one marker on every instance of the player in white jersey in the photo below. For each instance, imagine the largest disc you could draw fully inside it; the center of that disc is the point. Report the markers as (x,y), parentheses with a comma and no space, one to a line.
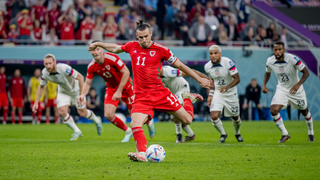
(289,88)
(173,79)
(225,75)
(70,83)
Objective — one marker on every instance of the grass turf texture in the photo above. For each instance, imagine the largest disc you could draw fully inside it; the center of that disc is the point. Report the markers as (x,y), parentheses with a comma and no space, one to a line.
(45,152)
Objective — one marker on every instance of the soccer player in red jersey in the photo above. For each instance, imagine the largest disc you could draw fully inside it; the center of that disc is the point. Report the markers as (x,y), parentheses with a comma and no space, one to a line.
(150,93)
(18,94)
(3,94)
(119,85)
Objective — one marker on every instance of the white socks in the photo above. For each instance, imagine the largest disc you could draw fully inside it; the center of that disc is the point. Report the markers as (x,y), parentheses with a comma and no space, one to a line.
(178,128)
(279,123)
(188,130)
(236,124)
(309,121)
(70,122)
(218,125)
(92,116)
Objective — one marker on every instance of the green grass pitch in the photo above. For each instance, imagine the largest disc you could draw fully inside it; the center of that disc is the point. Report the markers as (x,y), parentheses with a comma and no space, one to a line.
(45,152)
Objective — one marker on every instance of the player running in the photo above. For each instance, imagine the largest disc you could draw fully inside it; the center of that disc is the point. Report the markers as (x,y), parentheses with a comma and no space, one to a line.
(149,92)
(173,79)
(286,67)
(70,84)
(119,85)
(225,75)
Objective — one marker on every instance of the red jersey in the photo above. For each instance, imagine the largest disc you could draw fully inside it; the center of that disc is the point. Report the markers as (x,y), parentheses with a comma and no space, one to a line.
(67,31)
(37,33)
(17,87)
(53,19)
(39,12)
(146,65)
(13,36)
(2,29)
(25,31)
(87,27)
(3,79)
(109,70)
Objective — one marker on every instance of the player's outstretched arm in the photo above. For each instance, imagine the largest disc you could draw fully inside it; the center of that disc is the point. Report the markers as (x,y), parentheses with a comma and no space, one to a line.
(205,83)
(124,79)
(236,80)
(305,75)
(38,96)
(85,90)
(265,81)
(113,48)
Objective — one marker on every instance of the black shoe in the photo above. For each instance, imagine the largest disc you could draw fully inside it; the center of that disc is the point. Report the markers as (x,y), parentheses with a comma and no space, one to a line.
(179,138)
(189,138)
(284,138)
(223,138)
(239,138)
(311,138)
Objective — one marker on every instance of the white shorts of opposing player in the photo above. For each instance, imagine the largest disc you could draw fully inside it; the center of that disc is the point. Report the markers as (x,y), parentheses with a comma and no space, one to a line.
(69,100)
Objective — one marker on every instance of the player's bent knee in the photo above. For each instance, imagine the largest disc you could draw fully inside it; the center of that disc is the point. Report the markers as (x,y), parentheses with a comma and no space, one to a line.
(274,111)
(109,116)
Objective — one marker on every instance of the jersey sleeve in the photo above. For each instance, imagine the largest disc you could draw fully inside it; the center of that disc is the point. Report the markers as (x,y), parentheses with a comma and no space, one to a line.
(268,69)
(171,72)
(69,71)
(298,63)
(169,56)
(30,83)
(232,68)
(114,60)
(90,72)
(43,80)
(126,47)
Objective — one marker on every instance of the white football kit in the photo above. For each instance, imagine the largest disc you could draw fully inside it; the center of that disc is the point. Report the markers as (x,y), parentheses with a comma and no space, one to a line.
(68,85)
(173,79)
(222,76)
(287,74)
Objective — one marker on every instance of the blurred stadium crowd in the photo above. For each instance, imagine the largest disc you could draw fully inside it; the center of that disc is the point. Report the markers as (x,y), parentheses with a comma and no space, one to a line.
(75,22)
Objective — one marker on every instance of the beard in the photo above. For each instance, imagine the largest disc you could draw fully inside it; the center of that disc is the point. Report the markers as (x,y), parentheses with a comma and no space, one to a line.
(217,62)
(279,57)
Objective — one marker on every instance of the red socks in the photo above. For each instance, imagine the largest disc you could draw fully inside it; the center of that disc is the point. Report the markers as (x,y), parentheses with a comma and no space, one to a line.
(56,119)
(140,139)
(13,117)
(20,117)
(187,105)
(119,123)
(39,116)
(5,115)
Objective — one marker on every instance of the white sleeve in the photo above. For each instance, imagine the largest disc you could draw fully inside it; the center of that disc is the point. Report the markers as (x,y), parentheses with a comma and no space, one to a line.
(298,63)
(43,82)
(232,68)
(171,72)
(268,69)
(69,71)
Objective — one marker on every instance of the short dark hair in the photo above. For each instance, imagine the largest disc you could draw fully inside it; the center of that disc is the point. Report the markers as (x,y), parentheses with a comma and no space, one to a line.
(279,43)
(94,41)
(141,25)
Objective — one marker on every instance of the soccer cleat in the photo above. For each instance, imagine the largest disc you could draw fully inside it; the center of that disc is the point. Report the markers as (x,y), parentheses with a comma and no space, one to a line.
(140,156)
(192,96)
(179,138)
(99,126)
(76,136)
(284,138)
(127,137)
(223,138)
(189,138)
(311,138)
(152,131)
(239,138)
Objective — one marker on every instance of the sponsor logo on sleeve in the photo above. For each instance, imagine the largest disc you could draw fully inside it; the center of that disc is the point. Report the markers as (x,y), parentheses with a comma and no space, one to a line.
(120,63)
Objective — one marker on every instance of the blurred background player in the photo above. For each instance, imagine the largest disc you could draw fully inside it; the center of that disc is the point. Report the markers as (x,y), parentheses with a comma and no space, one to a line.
(119,85)
(150,93)
(93,100)
(70,84)
(17,96)
(289,88)
(173,79)
(3,95)
(32,94)
(253,94)
(225,75)
(51,101)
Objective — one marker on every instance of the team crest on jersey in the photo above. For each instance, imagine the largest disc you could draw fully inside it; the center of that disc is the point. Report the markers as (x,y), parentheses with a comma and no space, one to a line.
(217,71)
(281,68)
(152,53)
(108,67)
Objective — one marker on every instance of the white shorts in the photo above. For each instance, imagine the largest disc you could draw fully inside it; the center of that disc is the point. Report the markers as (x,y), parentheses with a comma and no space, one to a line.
(178,94)
(229,103)
(298,100)
(64,99)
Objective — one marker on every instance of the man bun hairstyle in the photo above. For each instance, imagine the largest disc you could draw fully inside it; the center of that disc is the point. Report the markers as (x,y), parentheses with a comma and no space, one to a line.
(141,25)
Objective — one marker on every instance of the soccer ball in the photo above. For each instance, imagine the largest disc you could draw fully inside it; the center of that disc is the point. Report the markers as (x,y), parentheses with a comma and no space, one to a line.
(155,153)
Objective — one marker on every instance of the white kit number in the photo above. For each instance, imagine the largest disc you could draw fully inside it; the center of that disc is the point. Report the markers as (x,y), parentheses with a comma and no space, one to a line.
(143,59)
